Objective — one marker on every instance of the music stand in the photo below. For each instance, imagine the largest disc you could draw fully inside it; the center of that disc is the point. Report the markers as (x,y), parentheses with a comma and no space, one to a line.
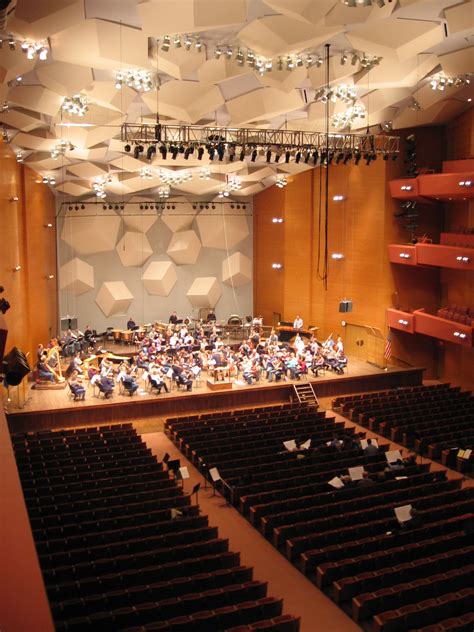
(173,466)
(195,490)
(166,458)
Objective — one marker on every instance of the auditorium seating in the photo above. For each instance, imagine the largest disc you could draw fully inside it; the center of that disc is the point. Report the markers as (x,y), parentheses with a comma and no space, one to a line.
(429,419)
(348,541)
(122,548)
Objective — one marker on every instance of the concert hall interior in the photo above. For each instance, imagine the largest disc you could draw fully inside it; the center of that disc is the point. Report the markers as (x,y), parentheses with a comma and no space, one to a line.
(236,315)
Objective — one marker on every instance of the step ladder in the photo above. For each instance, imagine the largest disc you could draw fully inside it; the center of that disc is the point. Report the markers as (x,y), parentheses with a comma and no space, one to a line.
(305,394)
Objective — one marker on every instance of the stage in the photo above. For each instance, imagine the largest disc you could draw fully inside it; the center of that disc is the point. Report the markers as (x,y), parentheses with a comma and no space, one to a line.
(45,409)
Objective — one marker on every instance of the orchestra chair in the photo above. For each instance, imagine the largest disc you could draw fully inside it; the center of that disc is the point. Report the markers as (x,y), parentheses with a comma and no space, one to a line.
(76,394)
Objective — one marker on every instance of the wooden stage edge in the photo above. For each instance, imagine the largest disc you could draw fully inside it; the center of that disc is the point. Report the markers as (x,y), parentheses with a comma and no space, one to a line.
(131,409)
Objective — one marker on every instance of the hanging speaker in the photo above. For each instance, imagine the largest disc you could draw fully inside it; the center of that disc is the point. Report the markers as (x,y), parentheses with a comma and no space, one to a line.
(15,367)
(345,306)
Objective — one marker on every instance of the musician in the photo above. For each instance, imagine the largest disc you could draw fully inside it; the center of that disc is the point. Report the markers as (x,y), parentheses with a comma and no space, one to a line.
(156,379)
(211,317)
(182,377)
(131,323)
(273,337)
(128,381)
(107,386)
(339,345)
(76,385)
(173,319)
(89,336)
(299,344)
(44,373)
(298,322)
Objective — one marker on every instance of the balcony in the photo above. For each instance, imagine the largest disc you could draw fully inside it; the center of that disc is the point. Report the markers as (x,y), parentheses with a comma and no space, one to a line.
(419,322)
(456,183)
(434,255)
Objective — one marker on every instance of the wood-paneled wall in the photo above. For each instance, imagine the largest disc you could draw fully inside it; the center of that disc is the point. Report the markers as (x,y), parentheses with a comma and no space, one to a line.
(27,242)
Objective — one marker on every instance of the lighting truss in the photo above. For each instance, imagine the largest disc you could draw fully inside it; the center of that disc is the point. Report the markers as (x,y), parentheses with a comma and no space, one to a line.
(160,203)
(243,141)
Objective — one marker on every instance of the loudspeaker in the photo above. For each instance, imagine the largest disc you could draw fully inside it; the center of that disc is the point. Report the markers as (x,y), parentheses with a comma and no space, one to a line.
(15,367)
(3,336)
(345,306)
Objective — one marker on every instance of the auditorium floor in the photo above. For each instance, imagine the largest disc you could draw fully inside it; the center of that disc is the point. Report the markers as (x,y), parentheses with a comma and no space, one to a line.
(29,399)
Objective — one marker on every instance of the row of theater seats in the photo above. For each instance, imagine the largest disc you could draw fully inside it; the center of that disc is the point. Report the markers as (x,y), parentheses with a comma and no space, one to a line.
(120,545)
(430,419)
(462,315)
(348,540)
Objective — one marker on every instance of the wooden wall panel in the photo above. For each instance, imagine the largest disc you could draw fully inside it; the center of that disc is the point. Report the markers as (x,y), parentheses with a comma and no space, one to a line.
(32,317)
(460,137)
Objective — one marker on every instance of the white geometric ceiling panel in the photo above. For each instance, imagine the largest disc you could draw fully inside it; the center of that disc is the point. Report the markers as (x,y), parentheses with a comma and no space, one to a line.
(38,20)
(159,278)
(101,44)
(406,37)
(184,247)
(24,120)
(76,276)
(277,34)
(222,231)
(263,103)
(133,249)
(337,73)
(65,79)
(284,79)
(13,64)
(178,219)
(41,141)
(36,98)
(204,292)
(105,94)
(186,100)
(180,63)
(391,73)
(43,162)
(459,62)
(87,170)
(73,188)
(440,112)
(306,10)
(169,16)
(460,18)
(91,233)
(236,270)
(220,70)
(113,298)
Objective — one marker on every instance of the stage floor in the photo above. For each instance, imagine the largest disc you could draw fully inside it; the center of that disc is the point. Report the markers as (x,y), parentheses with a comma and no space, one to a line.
(34,400)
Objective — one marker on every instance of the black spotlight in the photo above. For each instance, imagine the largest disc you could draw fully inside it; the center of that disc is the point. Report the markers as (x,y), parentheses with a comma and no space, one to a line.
(137,151)
(385,156)
(340,156)
(146,207)
(329,158)
(287,156)
(200,153)
(277,157)
(220,151)
(128,148)
(307,157)
(181,149)
(315,157)
(357,157)
(269,155)
(150,152)
(163,151)
(82,207)
(242,154)
(213,207)
(212,153)
(194,207)
(298,157)
(4,305)
(69,208)
(394,157)
(188,152)
(76,208)
(254,155)
(104,207)
(110,207)
(174,152)
(141,207)
(347,157)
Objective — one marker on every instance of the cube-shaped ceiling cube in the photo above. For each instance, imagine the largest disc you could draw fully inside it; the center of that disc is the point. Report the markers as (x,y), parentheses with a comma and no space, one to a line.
(223,232)
(159,277)
(76,276)
(138,219)
(184,247)
(204,292)
(133,249)
(114,297)
(236,270)
(90,234)
(179,218)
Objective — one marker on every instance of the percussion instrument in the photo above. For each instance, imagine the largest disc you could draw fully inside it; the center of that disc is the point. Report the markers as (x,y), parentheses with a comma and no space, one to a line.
(126,336)
(287,333)
(117,334)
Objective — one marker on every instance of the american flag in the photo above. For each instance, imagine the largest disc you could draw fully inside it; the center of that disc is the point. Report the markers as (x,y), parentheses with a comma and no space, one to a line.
(388,345)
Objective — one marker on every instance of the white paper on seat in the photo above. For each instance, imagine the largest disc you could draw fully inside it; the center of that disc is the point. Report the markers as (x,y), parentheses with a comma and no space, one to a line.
(467,454)
(95,378)
(169,373)
(306,445)
(356,473)
(184,472)
(400,478)
(392,456)
(290,445)
(403,513)
(196,370)
(214,474)
(364,444)
(336,482)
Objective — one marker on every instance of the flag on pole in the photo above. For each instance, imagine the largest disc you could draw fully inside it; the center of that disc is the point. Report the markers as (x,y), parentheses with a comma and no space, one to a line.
(388,345)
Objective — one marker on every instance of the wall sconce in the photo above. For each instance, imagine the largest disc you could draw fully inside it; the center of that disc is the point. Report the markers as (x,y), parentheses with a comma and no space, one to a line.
(406,187)
(277,220)
(277,266)
(402,322)
(337,255)
(13,198)
(17,268)
(404,255)
(458,334)
(48,225)
(50,276)
(338,198)
(465,183)
(463,259)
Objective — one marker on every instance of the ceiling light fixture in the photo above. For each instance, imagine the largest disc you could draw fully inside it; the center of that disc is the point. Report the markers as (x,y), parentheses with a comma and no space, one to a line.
(76,104)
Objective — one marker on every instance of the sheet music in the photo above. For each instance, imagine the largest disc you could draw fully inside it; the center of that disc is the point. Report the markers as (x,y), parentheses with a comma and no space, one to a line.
(214,474)
(290,445)
(392,456)
(467,454)
(196,370)
(403,513)
(184,472)
(356,473)
(336,482)
(306,445)
(364,444)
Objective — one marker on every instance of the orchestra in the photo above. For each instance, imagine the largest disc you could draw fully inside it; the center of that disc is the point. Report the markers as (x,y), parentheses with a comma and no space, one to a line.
(177,352)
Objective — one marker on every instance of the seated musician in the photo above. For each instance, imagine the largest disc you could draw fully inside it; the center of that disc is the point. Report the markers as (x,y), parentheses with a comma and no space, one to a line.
(173,319)
(299,344)
(211,317)
(341,362)
(182,377)
(89,336)
(273,338)
(292,367)
(131,324)
(298,322)
(318,363)
(156,379)
(44,372)
(76,385)
(129,382)
(107,385)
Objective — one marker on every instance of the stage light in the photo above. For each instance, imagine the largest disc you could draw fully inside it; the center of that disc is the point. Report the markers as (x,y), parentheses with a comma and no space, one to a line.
(174,152)
(137,151)
(128,148)
(357,157)
(268,155)
(150,152)
(254,155)
(242,154)
(200,153)
(298,157)
(287,156)
(163,151)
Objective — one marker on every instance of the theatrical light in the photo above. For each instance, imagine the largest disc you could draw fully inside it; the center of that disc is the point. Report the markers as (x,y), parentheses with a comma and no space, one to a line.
(150,152)
(240,58)
(337,256)
(281,182)
(146,173)
(11,43)
(404,255)
(48,226)
(287,156)
(338,198)
(277,220)
(164,193)
(140,80)
(61,148)
(406,187)
(354,59)
(14,198)
(414,105)
(218,53)
(440,81)
(463,259)
(49,180)
(343,58)
(99,186)
(75,105)
(223,194)
(166,43)
(50,276)
(205,174)
(465,183)
(177,41)
(137,151)
(19,156)
(345,119)
(127,148)
(277,266)
(403,322)
(17,268)
(459,334)
(163,151)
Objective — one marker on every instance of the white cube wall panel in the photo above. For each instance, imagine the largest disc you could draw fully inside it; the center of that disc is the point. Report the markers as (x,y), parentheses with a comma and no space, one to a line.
(204,292)
(236,270)
(89,235)
(113,298)
(184,247)
(133,249)
(76,276)
(159,278)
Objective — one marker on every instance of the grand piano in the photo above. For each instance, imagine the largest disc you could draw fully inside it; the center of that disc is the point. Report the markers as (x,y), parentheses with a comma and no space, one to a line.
(286,332)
